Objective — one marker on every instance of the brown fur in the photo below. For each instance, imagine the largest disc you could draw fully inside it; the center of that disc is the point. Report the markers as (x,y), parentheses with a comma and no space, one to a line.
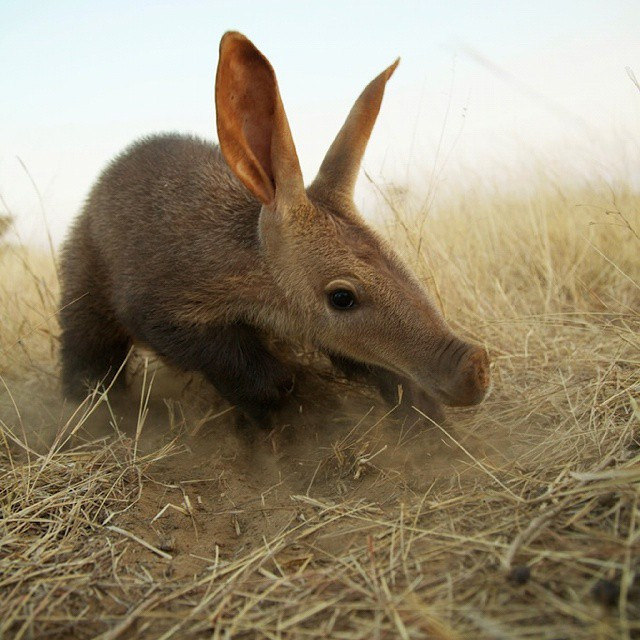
(200,254)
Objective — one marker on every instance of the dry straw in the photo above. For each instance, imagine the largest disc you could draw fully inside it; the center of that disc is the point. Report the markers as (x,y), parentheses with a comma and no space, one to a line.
(535,535)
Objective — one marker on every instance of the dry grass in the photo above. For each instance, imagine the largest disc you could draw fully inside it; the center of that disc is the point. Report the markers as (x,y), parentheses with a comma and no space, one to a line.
(5,222)
(525,523)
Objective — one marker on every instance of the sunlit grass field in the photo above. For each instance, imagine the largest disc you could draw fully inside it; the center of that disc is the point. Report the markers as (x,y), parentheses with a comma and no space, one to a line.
(149,516)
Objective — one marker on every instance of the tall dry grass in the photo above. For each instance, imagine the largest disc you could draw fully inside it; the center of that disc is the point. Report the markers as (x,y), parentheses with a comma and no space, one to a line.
(543,543)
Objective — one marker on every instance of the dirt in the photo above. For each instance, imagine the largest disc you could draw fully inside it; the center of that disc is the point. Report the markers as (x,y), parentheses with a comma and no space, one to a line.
(226,490)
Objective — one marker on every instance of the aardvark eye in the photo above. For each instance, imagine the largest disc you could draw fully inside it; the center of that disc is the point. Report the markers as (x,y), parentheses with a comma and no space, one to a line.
(342,299)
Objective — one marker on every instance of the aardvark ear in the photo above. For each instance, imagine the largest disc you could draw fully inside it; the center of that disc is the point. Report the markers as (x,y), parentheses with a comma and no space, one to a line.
(339,169)
(253,130)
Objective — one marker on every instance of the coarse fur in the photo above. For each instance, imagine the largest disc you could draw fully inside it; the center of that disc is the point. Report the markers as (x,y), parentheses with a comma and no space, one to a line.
(201,251)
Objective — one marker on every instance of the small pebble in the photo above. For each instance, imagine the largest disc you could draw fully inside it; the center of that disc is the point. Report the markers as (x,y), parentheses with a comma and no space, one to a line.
(606,592)
(167,544)
(519,575)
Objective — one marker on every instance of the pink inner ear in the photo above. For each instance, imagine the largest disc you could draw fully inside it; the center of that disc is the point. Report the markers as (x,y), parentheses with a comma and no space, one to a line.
(252,128)
(254,95)
(258,137)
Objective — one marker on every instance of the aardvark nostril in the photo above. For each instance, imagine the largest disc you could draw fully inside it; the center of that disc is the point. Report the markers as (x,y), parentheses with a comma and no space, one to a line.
(473,378)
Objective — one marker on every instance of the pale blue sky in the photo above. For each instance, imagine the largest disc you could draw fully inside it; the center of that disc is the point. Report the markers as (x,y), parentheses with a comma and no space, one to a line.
(83,79)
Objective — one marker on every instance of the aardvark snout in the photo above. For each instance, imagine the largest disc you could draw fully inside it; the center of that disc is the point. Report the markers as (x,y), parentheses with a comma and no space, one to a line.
(471,380)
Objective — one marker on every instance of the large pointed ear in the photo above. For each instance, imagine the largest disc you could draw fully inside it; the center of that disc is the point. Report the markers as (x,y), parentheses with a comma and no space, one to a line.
(253,130)
(339,169)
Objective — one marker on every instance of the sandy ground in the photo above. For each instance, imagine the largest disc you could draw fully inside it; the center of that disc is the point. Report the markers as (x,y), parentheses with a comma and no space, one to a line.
(225,488)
